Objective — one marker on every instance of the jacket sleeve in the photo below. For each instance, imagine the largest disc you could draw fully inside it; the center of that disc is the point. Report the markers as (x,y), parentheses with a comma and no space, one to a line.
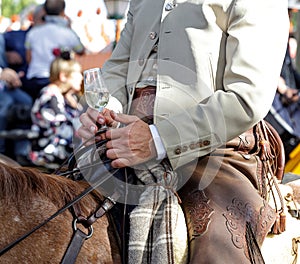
(255,42)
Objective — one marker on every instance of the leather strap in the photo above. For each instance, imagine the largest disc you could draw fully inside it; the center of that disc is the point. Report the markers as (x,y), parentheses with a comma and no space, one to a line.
(107,204)
(78,236)
(74,247)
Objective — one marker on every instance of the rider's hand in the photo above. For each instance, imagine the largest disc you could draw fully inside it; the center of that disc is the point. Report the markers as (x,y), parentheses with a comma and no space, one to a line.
(129,145)
(91,120)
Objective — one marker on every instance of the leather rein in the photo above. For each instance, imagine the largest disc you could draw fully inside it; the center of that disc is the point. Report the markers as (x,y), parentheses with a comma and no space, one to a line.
(79,236)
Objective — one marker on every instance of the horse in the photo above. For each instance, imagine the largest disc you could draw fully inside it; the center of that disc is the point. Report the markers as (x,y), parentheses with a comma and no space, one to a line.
(28,197)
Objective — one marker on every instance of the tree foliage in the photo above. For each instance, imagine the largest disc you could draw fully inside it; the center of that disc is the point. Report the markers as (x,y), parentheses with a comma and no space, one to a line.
(12,7)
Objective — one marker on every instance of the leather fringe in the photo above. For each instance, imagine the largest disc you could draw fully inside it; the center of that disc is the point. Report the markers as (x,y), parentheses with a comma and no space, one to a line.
(267,154)
(280,224)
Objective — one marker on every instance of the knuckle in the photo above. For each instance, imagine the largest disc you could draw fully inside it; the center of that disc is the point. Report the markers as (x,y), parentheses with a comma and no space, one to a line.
(82,117)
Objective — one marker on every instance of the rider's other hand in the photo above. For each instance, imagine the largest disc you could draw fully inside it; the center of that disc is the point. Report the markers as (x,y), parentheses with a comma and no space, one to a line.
(130,145)
(90,121)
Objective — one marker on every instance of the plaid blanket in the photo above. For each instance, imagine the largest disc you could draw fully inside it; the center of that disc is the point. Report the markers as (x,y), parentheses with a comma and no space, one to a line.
(157,226)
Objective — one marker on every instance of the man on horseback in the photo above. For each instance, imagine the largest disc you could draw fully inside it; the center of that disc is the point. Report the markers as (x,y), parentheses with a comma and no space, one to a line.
(194,82)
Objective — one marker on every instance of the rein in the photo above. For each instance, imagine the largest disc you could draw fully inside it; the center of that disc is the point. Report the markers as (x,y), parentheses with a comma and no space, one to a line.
(79,236)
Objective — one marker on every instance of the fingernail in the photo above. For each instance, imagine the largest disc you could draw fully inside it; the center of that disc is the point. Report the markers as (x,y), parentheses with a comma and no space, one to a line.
(93,128)
(101,120)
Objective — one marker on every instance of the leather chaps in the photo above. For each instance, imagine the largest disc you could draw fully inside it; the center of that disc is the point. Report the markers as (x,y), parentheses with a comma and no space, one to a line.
(227,217)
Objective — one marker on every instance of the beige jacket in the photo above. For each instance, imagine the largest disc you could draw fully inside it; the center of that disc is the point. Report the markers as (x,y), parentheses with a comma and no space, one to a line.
(218,67)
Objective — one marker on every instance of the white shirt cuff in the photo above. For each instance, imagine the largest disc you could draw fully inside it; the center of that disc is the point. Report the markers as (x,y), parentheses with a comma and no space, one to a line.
(160,149)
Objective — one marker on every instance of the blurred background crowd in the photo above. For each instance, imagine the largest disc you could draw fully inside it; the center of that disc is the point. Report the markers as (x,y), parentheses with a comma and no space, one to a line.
(44,47)
(87,18)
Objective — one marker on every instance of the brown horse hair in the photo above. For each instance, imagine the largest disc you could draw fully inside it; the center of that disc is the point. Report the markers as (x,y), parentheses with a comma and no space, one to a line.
(19,185)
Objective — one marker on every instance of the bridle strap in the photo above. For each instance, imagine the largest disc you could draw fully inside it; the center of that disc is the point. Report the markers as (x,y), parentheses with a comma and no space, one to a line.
(74,247)
(107,204)
(79,237)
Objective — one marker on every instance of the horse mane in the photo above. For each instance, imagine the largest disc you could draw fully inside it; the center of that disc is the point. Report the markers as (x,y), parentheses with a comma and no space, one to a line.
(22,184)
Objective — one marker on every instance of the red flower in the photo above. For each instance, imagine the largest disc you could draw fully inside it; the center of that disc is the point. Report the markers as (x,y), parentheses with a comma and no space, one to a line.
(56,52)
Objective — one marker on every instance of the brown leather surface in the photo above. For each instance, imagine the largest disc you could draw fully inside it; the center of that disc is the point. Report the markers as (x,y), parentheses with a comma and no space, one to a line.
(143,103)
(223,194)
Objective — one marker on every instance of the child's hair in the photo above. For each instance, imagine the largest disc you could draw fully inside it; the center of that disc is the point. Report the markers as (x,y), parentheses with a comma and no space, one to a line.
(60,65)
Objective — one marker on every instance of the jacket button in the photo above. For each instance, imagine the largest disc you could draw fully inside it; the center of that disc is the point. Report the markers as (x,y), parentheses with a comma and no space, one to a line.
(192,146)
(206,142)
(152,35)
(177,151)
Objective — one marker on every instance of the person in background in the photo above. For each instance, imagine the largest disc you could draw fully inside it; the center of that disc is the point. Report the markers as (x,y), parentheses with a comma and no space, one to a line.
(40,42)
(195,79)
(15,51)
(11,96)
(55,112)
(284,114)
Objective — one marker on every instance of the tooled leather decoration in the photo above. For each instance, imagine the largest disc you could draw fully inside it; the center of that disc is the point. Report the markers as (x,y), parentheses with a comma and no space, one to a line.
(244,143)
(147,99)
(238,213)
(145,103)
(265,220)
(198,213)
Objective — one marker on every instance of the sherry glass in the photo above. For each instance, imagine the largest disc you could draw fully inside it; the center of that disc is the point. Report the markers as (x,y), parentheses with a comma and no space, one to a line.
(95,90)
